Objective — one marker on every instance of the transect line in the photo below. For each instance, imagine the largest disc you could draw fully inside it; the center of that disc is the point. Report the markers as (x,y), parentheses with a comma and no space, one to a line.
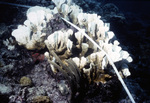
(110,60)
(13,4)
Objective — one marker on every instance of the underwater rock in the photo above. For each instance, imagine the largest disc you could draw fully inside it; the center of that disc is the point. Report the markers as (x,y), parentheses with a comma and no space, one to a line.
(110,8)
(6,68)
(5,89)
(41,99)
(25,81)
(9,43)
(37,57)
(63,88)
(3,29)
(45,84)
(112,14)
(1,62)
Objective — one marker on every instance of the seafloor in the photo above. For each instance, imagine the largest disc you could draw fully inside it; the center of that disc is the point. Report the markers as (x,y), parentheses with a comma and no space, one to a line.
(130,21)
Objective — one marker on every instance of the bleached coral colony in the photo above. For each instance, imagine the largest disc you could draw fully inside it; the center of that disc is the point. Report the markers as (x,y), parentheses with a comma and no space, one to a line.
(38,32)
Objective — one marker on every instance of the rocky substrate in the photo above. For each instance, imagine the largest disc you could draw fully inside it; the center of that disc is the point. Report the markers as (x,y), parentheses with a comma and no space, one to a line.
(26,76)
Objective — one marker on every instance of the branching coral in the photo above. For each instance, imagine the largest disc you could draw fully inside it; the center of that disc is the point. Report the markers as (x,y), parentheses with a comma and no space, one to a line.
(69,52)
(30,34)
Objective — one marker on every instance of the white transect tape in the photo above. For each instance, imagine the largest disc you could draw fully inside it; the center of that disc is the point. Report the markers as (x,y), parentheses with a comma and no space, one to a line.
(111,62)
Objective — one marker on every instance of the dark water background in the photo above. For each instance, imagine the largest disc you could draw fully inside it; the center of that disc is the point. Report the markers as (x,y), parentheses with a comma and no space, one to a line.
(137,37)
(135,6)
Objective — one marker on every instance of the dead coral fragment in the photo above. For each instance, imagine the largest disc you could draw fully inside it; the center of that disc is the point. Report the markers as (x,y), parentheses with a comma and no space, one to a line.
(25,81)
(102,78)
(41,99)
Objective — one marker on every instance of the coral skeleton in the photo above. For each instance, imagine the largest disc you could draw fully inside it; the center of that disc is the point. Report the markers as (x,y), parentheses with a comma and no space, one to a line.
(113,65)
(69,45)
(9,43)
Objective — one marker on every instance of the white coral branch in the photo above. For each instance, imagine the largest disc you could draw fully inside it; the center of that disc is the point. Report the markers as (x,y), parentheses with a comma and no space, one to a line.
(110,60)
